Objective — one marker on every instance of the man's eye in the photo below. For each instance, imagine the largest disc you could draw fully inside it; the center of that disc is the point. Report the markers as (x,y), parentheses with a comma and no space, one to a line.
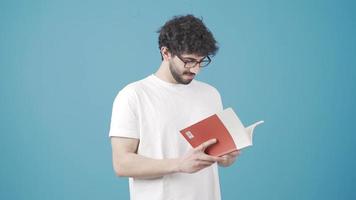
(190,61)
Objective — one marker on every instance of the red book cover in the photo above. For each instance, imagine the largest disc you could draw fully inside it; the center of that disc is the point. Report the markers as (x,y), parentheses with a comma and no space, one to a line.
(207,129)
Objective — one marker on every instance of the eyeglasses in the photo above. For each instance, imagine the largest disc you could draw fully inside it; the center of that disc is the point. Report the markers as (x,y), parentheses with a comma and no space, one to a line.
(192,63)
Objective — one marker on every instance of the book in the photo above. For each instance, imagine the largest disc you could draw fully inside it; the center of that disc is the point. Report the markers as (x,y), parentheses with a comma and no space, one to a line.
(226,127)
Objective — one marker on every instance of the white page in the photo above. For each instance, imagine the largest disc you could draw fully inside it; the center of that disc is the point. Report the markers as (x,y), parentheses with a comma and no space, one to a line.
(241,136)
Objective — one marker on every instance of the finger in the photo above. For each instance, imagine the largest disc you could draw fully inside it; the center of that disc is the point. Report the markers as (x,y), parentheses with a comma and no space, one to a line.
(206,144)
(234,153)
(239,152)
(229,155)
(227,158)
(228,161)
(211,158)
(205,163)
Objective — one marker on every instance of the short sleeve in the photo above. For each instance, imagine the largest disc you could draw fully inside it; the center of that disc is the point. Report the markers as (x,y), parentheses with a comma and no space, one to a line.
(124,118)
(219,102)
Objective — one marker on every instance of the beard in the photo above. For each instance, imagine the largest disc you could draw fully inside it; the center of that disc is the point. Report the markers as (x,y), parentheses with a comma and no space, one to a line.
(178,76)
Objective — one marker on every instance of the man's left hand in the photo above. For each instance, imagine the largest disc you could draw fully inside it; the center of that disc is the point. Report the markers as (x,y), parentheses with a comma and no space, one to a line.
(229,158)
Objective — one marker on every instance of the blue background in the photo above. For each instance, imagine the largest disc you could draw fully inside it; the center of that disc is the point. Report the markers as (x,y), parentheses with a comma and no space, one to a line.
(290,63)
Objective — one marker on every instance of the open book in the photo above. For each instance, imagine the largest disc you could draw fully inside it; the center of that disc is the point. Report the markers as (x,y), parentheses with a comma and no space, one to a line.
(226,127)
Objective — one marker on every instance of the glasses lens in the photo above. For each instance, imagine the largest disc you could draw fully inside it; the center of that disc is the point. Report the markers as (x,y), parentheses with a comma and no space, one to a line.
(204,62)
(190,64)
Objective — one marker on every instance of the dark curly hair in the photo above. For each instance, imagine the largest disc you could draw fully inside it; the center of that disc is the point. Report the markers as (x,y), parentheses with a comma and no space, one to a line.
(187,34)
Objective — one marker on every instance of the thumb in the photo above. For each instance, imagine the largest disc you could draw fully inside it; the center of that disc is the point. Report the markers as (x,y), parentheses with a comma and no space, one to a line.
(206,144)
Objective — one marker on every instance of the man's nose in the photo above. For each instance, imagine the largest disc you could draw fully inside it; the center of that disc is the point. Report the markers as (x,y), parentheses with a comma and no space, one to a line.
(195,69)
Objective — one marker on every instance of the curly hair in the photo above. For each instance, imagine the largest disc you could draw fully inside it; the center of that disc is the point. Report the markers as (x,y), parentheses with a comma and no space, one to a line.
(187,34)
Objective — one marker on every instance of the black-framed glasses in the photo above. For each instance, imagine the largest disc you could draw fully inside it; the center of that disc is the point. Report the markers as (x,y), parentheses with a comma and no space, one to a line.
(190,63)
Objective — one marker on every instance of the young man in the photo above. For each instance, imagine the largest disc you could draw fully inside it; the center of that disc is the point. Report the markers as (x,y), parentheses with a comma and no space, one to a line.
(148,114)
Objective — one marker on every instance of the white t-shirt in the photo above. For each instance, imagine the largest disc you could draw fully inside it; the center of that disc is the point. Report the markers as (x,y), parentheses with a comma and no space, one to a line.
(153,111)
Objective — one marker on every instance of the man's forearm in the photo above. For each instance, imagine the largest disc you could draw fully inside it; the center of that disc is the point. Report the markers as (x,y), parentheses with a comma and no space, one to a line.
(138,166)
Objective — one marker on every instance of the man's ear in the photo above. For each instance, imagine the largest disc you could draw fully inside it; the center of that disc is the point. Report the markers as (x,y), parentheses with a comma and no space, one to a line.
(166,55)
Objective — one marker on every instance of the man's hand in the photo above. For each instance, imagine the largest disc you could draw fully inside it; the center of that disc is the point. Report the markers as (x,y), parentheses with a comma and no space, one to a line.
(229,158)
(197,159)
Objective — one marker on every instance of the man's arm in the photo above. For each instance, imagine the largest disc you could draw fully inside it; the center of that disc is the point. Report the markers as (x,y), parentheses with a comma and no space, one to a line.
(126,161)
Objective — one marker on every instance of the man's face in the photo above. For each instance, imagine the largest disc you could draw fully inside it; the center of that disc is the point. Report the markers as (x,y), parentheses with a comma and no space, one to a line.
(182,74)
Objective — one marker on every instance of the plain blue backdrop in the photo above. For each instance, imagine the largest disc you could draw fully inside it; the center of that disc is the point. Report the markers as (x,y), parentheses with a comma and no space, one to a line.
(290,63)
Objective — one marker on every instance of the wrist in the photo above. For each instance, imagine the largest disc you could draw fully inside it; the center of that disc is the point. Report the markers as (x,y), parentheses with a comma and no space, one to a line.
(174,166)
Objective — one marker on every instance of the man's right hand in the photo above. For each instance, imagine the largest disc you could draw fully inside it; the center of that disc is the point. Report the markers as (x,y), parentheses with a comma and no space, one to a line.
(197,159)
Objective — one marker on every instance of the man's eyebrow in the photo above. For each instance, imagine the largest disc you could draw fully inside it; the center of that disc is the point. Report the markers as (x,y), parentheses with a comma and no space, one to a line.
(192,59)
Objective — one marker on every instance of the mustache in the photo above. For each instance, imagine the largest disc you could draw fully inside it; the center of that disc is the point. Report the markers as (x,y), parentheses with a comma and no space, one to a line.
(189,73)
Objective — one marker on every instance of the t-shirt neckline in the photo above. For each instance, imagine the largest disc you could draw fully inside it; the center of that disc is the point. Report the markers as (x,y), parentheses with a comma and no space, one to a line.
(168,84)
